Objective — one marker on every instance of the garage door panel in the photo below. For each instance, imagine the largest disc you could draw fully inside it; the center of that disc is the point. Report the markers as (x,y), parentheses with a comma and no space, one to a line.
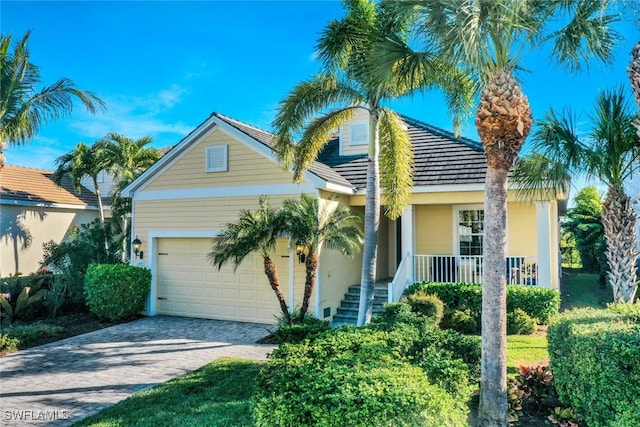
(188,285)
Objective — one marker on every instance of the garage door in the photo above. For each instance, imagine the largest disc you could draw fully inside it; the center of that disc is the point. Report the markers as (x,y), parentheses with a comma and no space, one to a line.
(188,285)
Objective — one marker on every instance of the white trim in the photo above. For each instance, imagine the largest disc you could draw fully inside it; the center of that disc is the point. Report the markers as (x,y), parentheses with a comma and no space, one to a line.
(219,153)
(408,230)
(543,224)
(318,302)
(202,234)
(292,266)
(4,201)
(337,188)
(223,192)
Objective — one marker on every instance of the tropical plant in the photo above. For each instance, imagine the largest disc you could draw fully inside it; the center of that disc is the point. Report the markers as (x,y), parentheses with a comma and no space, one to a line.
(584,223)
(24,108)
(83,161)
(609,152)
(312,226)
(126,159)
(345,48)
(253,232)
(489,39)
(634,76)
(19,298)
(569,250)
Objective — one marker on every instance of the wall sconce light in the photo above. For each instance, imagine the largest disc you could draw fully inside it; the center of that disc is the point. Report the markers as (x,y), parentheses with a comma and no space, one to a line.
(137,244)
(300,252)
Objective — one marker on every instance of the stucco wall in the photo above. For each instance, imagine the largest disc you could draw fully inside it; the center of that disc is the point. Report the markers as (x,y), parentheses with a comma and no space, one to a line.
(24,230)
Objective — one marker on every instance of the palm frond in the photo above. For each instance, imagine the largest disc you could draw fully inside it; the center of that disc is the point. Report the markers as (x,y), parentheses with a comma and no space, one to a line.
(396,163)
(537,177)
(316,135)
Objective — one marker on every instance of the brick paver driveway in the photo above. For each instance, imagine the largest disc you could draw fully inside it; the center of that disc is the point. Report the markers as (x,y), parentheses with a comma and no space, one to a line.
(60,383)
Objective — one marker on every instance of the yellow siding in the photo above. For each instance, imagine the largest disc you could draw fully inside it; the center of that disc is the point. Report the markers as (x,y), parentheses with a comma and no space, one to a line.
(361,116)
(522,229)
(336,273)
(443,198)
(245,167)
(434,229)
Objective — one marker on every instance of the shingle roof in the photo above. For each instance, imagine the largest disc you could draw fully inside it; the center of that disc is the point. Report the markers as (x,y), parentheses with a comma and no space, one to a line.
(20,184)
(440,158)
(317,168)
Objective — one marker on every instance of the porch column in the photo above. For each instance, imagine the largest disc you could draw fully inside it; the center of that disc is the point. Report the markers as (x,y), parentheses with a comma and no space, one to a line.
(408,234)
(544,232)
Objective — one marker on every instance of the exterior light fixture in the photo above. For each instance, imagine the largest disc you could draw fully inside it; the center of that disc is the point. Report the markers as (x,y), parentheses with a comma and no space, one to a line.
(137,244)
(300,252)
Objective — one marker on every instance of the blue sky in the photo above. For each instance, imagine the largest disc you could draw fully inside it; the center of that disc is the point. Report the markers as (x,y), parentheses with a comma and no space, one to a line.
(163,67)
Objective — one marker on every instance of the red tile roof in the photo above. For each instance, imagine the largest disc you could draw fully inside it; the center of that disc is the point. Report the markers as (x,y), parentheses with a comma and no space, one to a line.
(19,185)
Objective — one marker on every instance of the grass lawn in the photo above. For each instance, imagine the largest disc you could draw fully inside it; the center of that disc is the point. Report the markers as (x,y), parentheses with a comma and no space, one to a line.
(217,394)
(583,290)
(526,350)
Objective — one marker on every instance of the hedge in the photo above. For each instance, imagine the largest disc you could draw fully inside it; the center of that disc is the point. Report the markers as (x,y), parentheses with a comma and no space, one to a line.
(351,377)
(116,291)
(539,303)
(595,359)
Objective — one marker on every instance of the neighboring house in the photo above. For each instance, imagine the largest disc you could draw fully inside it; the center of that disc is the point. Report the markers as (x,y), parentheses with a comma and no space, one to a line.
(182,202)
(33,211)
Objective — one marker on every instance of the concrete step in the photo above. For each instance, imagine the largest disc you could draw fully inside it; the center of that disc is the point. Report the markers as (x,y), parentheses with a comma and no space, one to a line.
(347,313)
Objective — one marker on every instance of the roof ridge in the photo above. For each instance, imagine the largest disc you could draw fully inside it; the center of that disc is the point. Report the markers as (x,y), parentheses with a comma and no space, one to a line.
(443,132)
(225,117)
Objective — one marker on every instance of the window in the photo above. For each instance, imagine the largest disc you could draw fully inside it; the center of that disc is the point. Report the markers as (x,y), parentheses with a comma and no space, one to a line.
(216,158)
(470,231)
(359,134)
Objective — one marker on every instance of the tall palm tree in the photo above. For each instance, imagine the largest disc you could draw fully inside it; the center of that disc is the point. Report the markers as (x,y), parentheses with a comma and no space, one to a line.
(609,152)
(634,76)
(313,226)
(126,159)
(489,38)
(345,48)
(253,232)
(80,162)
(24,107)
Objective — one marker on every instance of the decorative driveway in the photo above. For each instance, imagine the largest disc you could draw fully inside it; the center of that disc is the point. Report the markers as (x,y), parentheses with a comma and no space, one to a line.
(60,383)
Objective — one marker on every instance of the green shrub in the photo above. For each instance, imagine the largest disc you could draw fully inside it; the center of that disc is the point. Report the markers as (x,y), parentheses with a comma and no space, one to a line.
(8,343)
(463,321)
(628,418)
(595,359)
(350,377)
(298,332)
(520,323)
(539,303)
(26,335)
(117,291)
(427,305)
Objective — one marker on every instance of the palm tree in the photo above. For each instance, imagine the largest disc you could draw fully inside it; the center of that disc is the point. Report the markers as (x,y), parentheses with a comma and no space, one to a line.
(126,159)
(609,153)
(489,39)
(253,232)
(345,48)
(311,225)
(23,108)
(80,162)
(634,76)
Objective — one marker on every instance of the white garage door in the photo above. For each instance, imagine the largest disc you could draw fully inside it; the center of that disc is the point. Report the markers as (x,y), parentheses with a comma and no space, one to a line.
(188,285)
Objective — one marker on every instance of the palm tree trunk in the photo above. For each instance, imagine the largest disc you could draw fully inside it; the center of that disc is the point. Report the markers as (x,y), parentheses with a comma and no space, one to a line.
(96,187)
(371,224)
(271,270)
(619,222)
(634,77)
(493,385)
(311,265)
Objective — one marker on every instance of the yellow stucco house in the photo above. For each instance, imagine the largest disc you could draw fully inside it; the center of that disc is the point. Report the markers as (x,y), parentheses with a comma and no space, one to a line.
(33,211)
(182,202)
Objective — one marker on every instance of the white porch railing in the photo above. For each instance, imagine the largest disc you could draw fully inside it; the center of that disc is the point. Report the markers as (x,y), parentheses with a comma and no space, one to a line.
(403,278)
(520,270)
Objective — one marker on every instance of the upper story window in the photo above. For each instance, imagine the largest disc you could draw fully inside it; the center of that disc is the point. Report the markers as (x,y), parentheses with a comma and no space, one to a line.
(216,158)
(359,134)
(470,231)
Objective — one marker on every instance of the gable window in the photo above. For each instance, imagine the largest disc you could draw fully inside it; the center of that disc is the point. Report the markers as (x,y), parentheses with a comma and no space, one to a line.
(216,158)
(359,134)
(470,231)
